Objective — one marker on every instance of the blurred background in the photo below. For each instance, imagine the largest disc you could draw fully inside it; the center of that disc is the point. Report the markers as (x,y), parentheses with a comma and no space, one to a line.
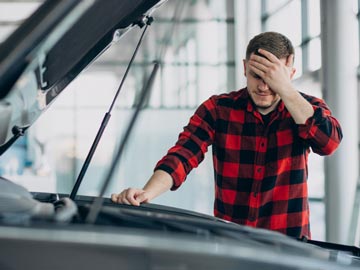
(200,45)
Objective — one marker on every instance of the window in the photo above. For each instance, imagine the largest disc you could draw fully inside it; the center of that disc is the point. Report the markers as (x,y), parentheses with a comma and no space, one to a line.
(299,20)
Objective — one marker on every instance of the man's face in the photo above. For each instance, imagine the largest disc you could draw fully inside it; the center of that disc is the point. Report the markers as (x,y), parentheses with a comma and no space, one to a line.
(261,94)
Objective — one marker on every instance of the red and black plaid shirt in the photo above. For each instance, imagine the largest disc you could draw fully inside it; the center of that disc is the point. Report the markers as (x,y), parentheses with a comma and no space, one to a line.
(260,169)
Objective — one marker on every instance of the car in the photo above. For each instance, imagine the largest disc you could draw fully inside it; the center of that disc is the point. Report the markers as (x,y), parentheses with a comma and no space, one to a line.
(41,230)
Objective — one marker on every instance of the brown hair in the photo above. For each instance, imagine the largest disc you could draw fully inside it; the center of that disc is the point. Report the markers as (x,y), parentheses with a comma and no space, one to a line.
(274,42)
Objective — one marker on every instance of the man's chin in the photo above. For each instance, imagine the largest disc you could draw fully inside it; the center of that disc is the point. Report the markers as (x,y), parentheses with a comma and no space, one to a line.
(265,103)
(263,106)
(266,107)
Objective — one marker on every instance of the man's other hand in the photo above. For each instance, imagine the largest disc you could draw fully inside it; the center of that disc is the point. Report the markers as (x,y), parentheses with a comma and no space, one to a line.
(130,196)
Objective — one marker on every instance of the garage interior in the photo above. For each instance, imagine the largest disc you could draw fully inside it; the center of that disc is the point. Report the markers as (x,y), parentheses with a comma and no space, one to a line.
(200,45)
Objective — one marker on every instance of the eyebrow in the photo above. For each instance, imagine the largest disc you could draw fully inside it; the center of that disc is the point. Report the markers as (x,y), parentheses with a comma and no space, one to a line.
(254,75)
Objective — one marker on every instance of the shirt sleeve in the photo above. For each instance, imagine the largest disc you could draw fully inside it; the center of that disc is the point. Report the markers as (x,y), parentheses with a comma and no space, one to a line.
(321,131)
(192,144)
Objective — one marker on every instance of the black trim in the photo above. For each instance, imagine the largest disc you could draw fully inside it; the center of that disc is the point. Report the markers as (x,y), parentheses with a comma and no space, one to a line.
(355,251)
(88,38)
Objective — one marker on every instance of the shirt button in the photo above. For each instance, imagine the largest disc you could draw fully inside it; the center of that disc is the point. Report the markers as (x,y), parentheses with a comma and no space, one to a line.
(259,170)
(262,144)
(252,218)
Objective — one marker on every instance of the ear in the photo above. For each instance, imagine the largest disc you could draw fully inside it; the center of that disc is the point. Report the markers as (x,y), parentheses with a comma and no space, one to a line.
(244,62)
(290,60)
(292,73)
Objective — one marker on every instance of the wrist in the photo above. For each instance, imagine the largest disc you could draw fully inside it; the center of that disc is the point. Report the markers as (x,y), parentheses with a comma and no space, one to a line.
(287,91)
(159,182)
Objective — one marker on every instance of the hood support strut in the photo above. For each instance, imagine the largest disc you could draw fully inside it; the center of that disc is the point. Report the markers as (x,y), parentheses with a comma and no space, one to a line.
(141,22)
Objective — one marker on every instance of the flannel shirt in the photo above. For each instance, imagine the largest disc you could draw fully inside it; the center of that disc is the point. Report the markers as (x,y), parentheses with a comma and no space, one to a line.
(260,170)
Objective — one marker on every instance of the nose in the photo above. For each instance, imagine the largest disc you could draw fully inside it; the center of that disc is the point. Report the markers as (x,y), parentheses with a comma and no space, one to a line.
(263,86)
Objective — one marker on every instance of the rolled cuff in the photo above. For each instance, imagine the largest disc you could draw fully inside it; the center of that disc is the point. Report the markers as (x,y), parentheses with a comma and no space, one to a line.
(176,180)
(305,130)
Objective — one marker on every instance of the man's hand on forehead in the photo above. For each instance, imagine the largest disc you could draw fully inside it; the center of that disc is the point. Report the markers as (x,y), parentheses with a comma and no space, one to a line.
(277,73)
(264,54)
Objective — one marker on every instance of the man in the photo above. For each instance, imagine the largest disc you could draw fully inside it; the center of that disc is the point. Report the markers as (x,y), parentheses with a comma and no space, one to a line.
(261,137)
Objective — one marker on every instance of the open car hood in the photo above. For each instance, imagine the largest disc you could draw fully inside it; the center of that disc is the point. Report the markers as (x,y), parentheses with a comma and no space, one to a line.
(51,48)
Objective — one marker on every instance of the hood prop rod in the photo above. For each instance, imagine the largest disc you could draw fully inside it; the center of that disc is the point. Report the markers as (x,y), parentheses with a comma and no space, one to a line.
(96,205)
(141,22)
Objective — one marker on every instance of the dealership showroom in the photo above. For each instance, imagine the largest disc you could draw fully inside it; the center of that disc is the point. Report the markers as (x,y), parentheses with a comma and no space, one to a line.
(191,51)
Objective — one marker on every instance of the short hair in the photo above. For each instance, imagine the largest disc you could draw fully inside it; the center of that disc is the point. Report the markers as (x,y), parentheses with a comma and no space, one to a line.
(276,43)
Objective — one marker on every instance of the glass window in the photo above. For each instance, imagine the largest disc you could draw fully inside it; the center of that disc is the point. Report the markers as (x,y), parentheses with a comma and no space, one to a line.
(191,75)
(314,26)
(11,14)
(314,57)
(5,31)
(197,60)
(356,6)
(298,62)
(357,11)
(317,220)
(274,5)
(287,21)
(14,12)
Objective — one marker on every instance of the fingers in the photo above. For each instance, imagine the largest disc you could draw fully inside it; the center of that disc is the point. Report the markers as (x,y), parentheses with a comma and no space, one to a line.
(262,64)
(114,197)
(142,198)
(127,196)
(270,57)
(260,60)
(124,197)
(269,65)
(257,68)
(130,196)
